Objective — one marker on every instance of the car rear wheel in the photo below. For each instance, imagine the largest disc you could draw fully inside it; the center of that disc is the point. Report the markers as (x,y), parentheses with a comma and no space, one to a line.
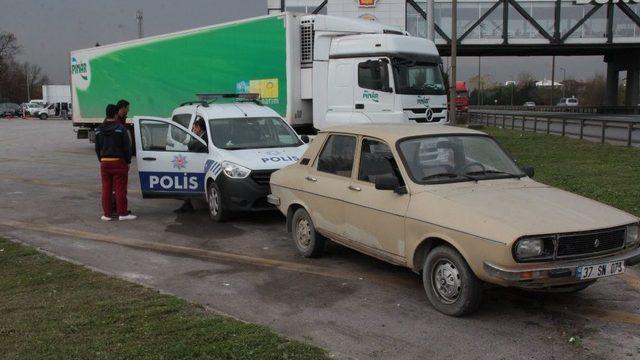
(217,210)
(308,241)
(451,286)
(43,116)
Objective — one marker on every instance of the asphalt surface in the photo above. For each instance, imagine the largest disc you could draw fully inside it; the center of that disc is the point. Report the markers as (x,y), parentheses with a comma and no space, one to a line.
(617,131)
(350,304)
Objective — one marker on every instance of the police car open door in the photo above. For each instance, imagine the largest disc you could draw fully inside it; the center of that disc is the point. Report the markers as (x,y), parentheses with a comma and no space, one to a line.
(167,168)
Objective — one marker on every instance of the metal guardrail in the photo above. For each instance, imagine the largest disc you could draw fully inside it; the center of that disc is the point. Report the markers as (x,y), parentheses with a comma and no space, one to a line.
(557,124)
(617,109)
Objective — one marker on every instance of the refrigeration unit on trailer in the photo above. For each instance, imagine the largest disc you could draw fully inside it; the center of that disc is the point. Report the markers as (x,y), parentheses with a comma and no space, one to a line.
(313,70)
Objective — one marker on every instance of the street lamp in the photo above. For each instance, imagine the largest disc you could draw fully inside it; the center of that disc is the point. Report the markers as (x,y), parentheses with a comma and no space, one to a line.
(564,79)
(454,43)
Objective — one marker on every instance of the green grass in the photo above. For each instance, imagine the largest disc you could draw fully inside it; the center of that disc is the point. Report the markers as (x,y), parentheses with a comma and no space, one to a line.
(53,309)
(607,173)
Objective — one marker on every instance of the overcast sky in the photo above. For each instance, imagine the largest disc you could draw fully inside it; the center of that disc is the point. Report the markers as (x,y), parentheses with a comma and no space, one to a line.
(49,29)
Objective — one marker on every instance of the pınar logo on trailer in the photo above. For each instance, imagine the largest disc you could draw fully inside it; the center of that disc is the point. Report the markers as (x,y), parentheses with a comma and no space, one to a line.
(79,68)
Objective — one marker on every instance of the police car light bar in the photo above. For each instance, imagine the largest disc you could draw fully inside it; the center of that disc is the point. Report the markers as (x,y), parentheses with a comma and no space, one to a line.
(214,96)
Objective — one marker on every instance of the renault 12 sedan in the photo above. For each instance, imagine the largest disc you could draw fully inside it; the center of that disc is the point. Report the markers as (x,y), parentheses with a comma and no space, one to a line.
(450,204)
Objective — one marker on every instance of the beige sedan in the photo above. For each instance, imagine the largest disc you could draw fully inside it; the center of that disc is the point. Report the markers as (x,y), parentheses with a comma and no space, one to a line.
(450,204)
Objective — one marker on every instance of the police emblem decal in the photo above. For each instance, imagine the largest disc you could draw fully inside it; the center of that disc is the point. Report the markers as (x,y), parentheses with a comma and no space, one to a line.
(179,162)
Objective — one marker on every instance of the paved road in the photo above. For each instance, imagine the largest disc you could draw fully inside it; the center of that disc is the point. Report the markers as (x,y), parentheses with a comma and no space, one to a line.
(348,303)
(616,133)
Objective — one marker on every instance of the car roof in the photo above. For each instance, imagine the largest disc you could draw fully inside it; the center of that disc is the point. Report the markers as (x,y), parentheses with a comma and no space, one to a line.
(394,131)
(230,110)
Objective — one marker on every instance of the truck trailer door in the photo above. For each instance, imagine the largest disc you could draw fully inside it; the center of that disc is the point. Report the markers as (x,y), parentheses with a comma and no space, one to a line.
(166,170)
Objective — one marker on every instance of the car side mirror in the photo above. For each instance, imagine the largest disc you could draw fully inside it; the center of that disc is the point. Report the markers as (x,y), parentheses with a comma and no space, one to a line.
(528,170)
(389,182)
(305,139)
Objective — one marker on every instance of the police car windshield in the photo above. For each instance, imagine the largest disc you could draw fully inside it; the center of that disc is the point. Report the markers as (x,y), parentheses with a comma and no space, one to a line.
(252,133)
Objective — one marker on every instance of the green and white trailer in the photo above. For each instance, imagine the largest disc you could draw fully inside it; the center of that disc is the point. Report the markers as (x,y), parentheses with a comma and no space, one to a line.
(314,70)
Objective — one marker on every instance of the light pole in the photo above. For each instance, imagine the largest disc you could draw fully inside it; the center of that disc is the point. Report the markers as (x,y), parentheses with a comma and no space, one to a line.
(140,19)
(564,80)
(430,20)
(26,75)
(454,49)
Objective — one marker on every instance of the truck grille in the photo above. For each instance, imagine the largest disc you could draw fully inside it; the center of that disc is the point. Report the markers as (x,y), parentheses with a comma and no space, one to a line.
(307,33)
(262,177)
(582,245)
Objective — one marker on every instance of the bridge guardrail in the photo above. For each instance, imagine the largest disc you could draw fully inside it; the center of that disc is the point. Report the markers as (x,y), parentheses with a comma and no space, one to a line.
(530,122)
(613,109)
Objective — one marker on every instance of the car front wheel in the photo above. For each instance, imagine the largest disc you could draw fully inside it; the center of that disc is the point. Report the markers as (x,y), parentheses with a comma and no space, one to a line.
(308,241)
(43,116)
(451,286)
(217,210)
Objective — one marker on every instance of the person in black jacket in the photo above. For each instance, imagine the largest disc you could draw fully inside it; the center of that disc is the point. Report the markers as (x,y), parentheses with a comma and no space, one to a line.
(114,152)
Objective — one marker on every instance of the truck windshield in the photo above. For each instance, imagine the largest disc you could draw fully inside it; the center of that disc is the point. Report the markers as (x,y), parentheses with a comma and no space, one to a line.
(417,78)
(454,158)
(252,133)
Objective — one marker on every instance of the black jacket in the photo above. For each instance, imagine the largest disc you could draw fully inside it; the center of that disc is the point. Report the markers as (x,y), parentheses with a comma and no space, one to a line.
(112,141)
(196,146)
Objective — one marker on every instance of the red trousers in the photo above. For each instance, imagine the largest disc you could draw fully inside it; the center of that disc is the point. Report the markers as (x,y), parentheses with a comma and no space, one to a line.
(115,174)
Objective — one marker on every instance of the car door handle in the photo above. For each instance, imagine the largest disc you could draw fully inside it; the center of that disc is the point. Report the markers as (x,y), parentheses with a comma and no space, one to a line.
(354,188)
(360,106)
(149,159)
(311,179)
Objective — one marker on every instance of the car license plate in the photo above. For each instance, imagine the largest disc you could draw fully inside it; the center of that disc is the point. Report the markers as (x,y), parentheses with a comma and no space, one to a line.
(600,270)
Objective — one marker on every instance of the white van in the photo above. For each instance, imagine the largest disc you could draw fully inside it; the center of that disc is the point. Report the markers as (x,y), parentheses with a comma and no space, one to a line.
(245,142)
(572,101)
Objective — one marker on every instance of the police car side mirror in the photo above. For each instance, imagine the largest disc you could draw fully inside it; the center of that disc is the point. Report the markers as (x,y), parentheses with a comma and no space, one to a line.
(528,170)
(305,139)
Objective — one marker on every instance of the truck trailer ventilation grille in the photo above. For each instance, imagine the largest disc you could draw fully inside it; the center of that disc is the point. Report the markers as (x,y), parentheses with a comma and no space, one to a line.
(307,33)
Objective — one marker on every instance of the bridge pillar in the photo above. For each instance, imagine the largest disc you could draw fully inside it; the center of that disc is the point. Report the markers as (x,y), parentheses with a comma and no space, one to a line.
(632,95)
(612,82)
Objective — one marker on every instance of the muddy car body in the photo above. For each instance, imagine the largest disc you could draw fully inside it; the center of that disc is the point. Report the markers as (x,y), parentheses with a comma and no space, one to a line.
(450,204)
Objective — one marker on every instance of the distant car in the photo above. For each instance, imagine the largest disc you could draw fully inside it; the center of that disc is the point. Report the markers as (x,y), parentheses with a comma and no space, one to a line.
(529,104)
(10,109)
(31,108)
(572,101)
(451,205)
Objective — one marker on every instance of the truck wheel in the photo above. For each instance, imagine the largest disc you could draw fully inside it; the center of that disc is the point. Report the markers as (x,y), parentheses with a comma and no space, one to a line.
(451,286)
(308,241)
(217,211)
(43,116)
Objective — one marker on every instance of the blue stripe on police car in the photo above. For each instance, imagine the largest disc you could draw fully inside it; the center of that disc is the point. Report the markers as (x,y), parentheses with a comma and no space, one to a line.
(171,182)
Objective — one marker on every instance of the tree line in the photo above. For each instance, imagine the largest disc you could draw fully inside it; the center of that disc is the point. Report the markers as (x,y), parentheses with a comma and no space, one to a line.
(15,76)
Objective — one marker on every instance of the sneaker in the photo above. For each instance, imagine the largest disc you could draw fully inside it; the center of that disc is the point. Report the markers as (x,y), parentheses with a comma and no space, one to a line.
(106,218)
(127,217)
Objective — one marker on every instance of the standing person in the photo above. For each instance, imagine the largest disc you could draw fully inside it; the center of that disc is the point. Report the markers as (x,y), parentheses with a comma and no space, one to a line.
(199,128)
(114,152)
(122,111)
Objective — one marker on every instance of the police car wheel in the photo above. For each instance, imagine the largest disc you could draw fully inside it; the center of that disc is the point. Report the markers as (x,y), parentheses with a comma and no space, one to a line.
(217,212)
(308,241)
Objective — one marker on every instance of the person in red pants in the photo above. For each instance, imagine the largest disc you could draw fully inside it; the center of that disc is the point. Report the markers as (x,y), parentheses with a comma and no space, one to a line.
(114,152)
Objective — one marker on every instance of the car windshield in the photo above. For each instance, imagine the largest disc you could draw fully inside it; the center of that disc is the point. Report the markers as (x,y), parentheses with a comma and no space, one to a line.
(417,78)
(252,133)
(454,158)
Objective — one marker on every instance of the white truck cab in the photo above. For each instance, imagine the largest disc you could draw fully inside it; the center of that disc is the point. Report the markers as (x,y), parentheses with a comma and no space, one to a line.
(229,166)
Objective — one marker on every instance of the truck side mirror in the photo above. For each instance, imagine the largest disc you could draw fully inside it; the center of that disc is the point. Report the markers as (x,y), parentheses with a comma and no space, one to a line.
(383,65)
(305,139)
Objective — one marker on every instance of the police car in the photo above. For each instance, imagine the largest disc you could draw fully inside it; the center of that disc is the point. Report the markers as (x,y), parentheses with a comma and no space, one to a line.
(245,142)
